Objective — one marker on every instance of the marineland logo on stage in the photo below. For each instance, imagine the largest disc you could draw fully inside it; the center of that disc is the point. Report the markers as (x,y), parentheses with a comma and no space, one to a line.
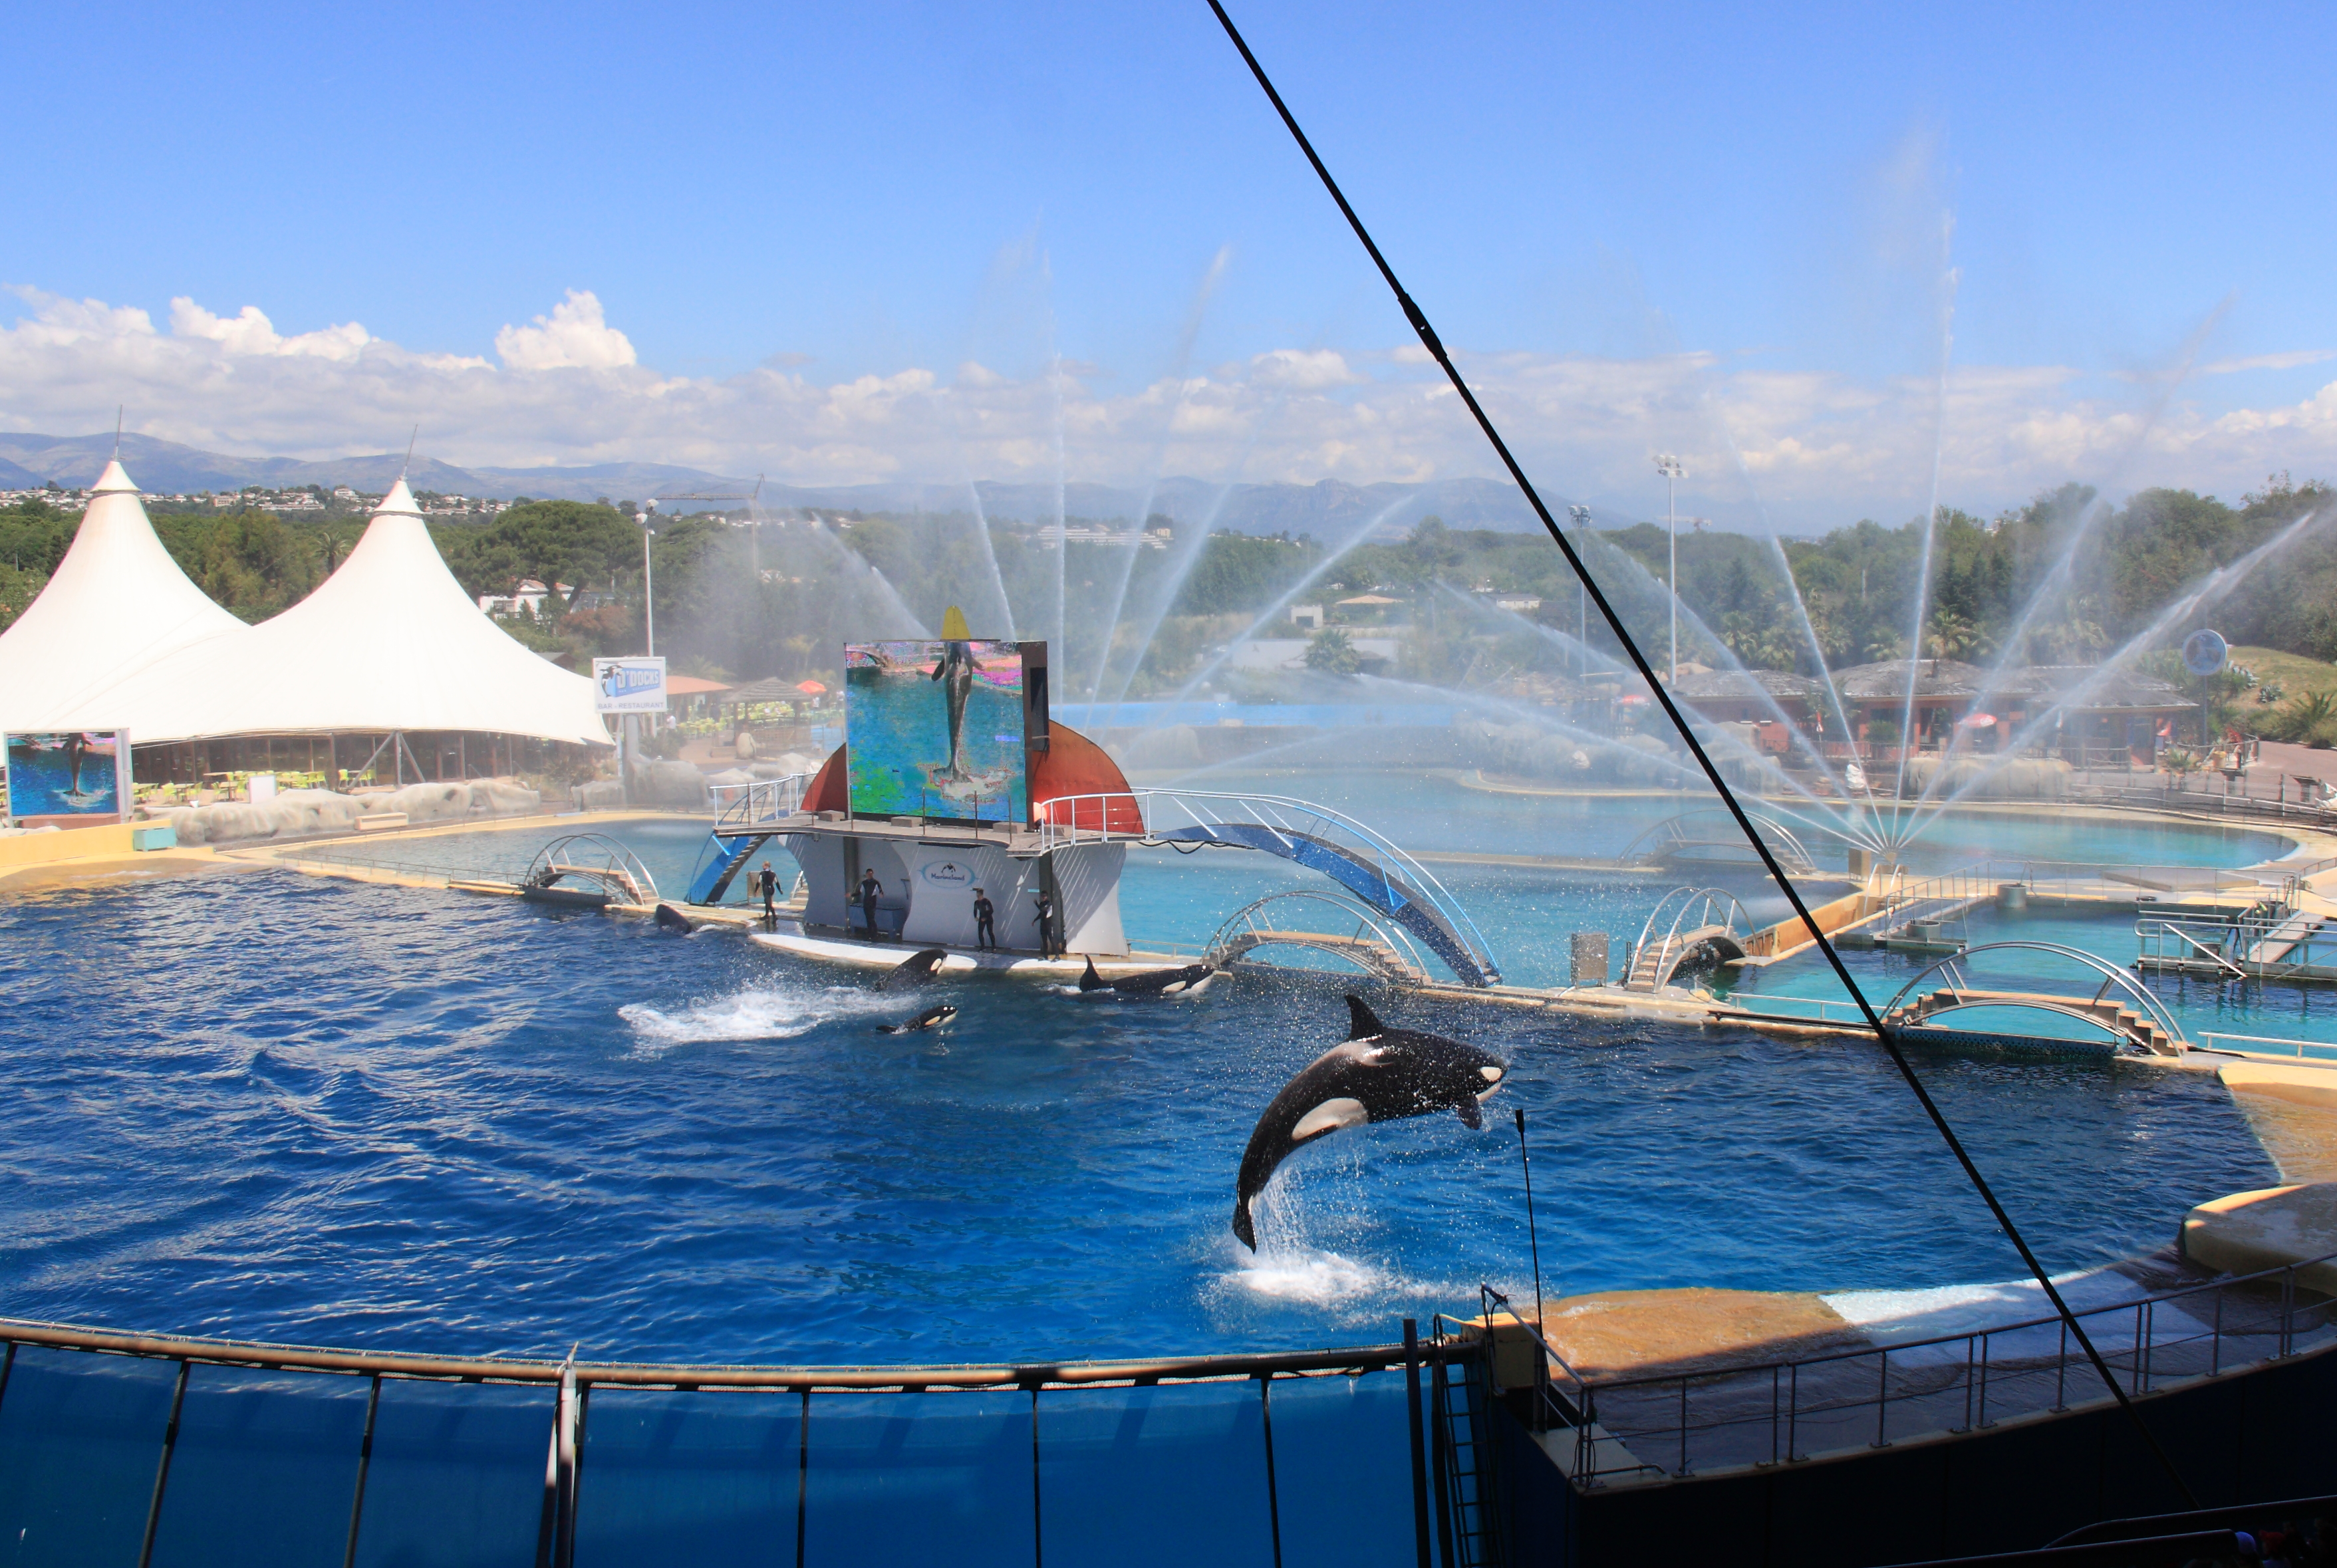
(946,874)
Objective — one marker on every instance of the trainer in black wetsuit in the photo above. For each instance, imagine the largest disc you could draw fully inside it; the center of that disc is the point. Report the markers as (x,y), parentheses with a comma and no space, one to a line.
(985,933)
(767,882)
(870,891)
(1046,920)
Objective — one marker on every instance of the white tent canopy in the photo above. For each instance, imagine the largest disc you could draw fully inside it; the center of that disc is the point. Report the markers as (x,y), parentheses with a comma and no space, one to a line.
(389,642)
(117,606)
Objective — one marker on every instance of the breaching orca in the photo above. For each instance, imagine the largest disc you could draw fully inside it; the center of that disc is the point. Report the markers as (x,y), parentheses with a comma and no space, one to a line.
(927,1019)
(670,918)
(1378,1075)
(914,971)
(1151,982)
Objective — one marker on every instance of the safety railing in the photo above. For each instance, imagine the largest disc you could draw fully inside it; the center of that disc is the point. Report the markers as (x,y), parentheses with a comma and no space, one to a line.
(1701,914)
(743,808)
(1810,1010)
(2303,1050)
(1785,1411)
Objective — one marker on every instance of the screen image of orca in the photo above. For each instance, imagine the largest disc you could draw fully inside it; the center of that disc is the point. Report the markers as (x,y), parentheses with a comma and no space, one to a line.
(1376,1074)
(932,1018)
(1182,981)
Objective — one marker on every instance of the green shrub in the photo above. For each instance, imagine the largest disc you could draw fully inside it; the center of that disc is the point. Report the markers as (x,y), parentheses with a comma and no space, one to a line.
(1882,732)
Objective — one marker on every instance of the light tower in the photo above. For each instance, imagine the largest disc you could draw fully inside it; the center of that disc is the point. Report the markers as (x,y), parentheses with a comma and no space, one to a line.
(1669,467)
(1581,516)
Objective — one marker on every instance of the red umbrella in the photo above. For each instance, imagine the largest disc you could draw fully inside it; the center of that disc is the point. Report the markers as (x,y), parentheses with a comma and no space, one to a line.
(811,688)
(1978,720)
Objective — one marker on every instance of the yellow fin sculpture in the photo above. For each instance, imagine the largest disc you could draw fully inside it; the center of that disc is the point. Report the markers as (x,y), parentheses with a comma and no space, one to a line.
(953,626)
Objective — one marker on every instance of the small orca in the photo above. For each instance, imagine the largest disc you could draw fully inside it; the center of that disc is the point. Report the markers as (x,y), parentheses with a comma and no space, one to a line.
(931,1018)
(670,918)
(1377,1074)
(914,971)
(1151,982)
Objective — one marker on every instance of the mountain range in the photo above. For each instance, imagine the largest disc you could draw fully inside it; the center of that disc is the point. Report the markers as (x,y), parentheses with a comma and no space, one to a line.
(1327,507)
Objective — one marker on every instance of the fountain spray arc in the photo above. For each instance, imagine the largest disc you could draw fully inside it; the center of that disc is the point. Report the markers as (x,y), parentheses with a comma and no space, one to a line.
(1883,1032)
(1182,361)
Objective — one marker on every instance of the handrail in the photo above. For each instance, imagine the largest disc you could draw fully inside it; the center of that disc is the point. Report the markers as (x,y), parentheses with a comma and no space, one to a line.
(2112,975)
(1697,899)
(2302,1045)
(2221,1282)
(1793,852)
(764,801)
(505,1369)
(1397,941)
(1285,816)
(2166,929)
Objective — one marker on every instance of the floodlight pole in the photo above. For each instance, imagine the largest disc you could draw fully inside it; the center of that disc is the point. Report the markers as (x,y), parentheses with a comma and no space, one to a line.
(1581,516)
(649,585)
(1669,467)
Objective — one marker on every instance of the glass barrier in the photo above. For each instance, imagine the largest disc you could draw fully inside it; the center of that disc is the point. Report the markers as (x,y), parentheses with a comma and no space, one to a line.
(678,1478)
(931,1477)
(1164,1474)
(81,1436)
(457,1477)
(1343,1471)
(264,1470)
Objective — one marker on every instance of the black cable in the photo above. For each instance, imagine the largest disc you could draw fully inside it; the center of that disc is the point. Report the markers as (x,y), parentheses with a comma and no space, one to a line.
(1435,346)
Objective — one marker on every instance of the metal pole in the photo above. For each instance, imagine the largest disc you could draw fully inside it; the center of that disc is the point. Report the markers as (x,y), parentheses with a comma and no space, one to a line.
(1671,507)
(1419,1454)
(1532,1240)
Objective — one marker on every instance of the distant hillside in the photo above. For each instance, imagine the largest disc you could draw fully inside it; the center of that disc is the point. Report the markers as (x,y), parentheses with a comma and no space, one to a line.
(1330,508)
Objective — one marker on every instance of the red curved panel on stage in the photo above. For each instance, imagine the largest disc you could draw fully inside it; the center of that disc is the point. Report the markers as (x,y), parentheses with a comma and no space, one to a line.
(830,790)
(1075,766)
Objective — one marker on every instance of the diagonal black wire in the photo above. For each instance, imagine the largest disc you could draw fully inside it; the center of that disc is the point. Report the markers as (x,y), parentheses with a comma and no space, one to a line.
(1435,346)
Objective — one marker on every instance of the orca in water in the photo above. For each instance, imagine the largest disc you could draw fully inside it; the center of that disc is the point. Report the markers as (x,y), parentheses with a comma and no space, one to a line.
(914,971)
(670,918)
(1377,1074)
(929,1018)
(1173,982)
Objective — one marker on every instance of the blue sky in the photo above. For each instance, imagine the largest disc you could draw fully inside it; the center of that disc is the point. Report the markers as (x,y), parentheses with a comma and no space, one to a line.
(839,192)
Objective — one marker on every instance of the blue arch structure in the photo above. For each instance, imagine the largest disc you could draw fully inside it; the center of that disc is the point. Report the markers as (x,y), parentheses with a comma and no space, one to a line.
(1373,883)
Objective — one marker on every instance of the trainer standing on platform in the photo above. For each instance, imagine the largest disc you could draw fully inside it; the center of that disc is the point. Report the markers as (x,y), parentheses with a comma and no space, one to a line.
(986,915)
(1046,920)
(767,882)
(871,889)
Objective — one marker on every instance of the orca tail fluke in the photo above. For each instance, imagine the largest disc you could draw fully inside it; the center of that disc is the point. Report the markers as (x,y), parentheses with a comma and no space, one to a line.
(1362,1023)
(1089,980)
(1242,1229)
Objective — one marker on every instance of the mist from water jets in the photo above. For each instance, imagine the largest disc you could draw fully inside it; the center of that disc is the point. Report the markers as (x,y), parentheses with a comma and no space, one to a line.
(1180,362)
(1190,545)
(1721,741)
(2056,578)
(2217,584)
(1289,596)
(1948,284)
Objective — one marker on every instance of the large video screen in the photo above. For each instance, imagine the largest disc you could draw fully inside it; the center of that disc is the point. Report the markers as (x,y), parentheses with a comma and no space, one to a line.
(67,775)
(936,729)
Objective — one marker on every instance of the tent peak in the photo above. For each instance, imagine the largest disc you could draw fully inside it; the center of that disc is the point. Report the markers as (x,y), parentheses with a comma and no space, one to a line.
(400,499)
(114,480)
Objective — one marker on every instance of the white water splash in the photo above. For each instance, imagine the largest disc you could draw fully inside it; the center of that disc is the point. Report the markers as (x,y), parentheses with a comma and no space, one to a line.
(755,1013)
(1287,1268)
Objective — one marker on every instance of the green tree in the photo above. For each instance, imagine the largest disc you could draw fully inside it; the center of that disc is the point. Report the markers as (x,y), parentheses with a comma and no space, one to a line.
(1330,652)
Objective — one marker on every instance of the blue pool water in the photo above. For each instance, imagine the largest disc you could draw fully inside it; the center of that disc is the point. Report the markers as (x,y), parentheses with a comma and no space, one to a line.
(295,1108)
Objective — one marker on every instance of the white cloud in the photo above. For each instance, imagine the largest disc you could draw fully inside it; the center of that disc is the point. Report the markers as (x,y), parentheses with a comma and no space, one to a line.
(1812,447)
(1302,369)
(251,332)
(2291,360)
(575,336)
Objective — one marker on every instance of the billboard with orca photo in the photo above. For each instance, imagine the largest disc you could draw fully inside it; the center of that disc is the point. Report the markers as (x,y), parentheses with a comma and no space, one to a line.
(69,777)
(934,728)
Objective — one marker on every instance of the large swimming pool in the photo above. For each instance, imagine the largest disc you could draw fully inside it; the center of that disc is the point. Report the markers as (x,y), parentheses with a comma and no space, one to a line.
(294,1108)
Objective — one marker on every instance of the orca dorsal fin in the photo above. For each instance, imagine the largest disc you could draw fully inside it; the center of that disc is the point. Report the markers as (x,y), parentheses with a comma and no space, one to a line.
(1362,1025)
(1091,980)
